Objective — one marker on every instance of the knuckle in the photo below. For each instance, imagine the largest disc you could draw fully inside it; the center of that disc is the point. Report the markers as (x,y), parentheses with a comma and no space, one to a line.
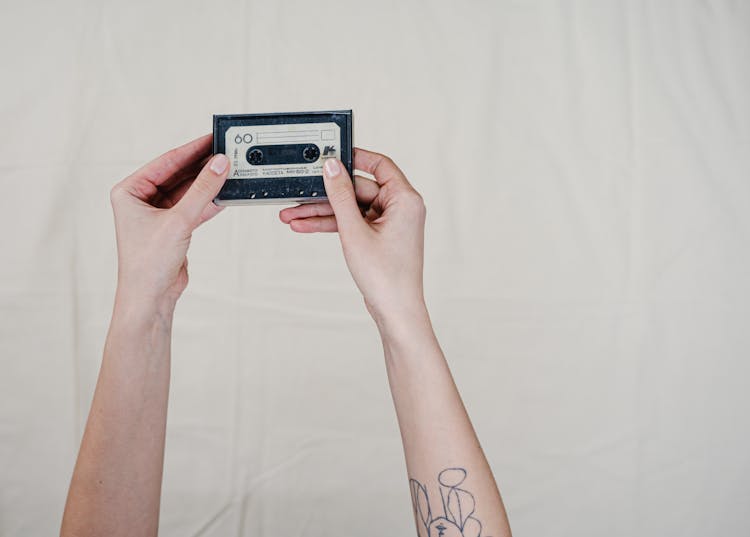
(383,162)
(170,158)
(388,161)
(116,193)
(385,168)
(382,157)
(201,187)
(412,197)
(415,201)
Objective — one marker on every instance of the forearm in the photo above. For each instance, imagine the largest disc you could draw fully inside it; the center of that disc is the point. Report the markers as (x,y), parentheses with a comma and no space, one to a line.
(116,484)
(438,435)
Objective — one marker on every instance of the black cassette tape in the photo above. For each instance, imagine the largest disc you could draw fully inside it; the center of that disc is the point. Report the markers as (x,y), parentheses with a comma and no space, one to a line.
(278,158)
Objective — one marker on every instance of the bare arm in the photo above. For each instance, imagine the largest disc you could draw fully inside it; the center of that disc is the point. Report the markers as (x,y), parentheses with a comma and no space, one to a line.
(453,490)
(116,484)
(452,486)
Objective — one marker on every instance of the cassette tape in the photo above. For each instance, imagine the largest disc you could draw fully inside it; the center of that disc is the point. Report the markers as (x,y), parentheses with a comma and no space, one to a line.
(278,158)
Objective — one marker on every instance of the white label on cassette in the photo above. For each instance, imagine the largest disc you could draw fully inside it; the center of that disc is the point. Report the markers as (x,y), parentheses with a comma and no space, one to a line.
(241,141)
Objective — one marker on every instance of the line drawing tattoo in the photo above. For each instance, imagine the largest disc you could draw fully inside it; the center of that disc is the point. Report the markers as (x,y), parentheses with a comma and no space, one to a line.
(457,504)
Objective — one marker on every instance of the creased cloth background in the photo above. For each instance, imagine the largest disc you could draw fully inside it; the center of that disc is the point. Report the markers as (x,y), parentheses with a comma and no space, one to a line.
(587,175)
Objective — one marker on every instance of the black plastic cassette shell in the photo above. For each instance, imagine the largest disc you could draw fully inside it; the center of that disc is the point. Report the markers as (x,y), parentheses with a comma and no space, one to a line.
(281,189)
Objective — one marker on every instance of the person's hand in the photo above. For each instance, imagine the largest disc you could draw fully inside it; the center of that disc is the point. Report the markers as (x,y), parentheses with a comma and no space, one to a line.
(383,239)
(156,210)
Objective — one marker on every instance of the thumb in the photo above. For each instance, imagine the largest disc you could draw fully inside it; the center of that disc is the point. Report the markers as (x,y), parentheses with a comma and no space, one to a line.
(340,192)
(204,189)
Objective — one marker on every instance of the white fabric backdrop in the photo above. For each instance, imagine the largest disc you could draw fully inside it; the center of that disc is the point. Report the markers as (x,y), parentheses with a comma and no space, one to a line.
(586,171)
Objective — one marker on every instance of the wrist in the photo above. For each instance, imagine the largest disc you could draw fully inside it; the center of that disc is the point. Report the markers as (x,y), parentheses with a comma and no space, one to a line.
(140,332)
(402,320)
(137,307)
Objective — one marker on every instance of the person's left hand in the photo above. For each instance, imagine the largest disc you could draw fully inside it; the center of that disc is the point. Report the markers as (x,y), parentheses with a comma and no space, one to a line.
(156,209)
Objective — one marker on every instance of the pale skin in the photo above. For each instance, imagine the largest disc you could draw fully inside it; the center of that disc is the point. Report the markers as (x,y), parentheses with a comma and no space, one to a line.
(116,485)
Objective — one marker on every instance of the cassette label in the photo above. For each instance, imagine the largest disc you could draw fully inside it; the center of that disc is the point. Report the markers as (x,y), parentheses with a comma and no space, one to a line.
(291,150)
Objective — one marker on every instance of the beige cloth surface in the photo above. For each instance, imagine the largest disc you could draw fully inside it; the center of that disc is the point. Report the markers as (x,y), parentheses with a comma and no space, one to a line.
(586,171)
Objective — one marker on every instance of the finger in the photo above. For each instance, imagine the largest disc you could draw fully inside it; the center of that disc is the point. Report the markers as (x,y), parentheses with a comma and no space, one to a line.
(315,224)
(145,183)
(204,189)
(306,210)
(165,166)
(365,189)
(170,198)
(340,192)
(379,166)
(187,174)
(372,215)
(210,211)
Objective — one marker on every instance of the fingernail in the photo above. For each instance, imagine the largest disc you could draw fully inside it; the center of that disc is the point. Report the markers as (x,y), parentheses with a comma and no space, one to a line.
(332,167)
(219,164)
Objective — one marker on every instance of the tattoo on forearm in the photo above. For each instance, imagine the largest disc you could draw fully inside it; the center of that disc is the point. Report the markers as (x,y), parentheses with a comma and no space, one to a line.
(456,517)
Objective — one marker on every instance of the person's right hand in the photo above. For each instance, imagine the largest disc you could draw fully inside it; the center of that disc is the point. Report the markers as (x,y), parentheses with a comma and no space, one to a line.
(383,241)
(157,208)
